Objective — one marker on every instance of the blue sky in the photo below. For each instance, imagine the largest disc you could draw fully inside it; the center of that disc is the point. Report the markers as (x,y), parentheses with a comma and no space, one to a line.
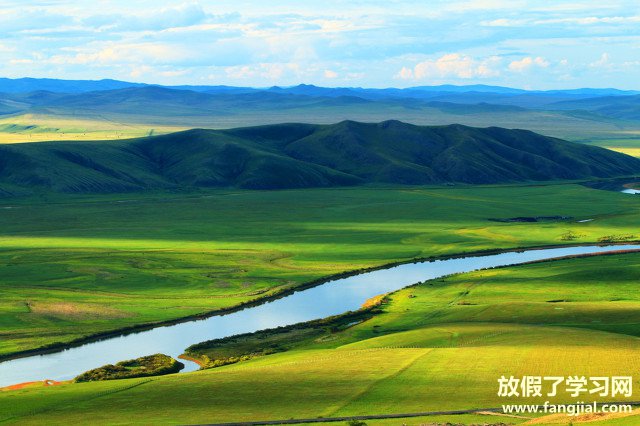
(518,43)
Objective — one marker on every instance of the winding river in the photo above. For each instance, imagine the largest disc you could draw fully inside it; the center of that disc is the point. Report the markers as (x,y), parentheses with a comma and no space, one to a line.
(331,298)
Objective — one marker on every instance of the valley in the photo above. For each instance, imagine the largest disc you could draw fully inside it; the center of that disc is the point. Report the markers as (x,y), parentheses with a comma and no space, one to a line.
(152,224)
(363,213)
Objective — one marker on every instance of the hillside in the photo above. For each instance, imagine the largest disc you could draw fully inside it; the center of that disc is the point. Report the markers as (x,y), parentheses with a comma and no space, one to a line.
(305,155)
(40,110)
(621,107)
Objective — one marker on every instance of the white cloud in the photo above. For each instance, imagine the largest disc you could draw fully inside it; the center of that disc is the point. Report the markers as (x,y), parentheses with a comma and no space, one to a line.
(452,65)
(477,5)
(405,74)
(183,15)
(572,20)
(330,74)
(502,22)
(174,73)
(21,61)
(527,63)
(355,76)
(289,42)
(134,53)
(137,72)
(269,71)
(140,71)
(5,48)
(603,62)
(591,20)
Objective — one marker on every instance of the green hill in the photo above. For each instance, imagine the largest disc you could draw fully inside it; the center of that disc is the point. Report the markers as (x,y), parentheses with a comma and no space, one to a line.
(304,155)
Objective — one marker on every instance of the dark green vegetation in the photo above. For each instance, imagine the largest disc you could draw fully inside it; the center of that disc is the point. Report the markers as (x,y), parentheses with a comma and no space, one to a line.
(146,366)
(73,267)
(439,345)
(304,155)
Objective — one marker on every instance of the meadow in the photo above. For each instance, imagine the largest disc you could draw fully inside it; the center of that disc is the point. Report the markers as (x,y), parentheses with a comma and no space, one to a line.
(77,266)
(43,127)
(629,145)
(74,266)
(426,350)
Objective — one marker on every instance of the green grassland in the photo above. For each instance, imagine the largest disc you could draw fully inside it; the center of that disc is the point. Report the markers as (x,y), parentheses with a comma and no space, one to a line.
(39,127)
(76,266)
(440,345)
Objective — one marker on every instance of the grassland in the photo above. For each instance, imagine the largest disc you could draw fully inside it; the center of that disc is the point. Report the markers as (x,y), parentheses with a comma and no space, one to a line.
(629,145)
(40,127)
(440,345)
(74,266)
(135,120)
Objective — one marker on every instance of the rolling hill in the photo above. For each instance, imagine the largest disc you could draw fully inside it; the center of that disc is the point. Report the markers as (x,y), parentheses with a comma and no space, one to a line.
(305,155)
(621,107)
(41,110)
(23,85)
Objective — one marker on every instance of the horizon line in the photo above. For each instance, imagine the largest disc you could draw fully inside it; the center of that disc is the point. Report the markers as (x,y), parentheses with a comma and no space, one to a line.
(319,86)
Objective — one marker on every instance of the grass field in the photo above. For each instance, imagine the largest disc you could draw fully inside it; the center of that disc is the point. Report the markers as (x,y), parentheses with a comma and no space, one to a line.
(43,127)
(424,352)
(98,122)
(76,266)
(629,146)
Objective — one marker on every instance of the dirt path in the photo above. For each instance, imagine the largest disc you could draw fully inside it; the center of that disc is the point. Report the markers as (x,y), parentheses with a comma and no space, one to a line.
(31,384)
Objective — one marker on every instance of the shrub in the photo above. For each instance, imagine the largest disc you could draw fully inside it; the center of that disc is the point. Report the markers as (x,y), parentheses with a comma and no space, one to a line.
(152,365)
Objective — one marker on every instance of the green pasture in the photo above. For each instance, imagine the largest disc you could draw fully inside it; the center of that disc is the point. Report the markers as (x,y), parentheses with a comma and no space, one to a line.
(440,345)
(40,127)
(75,266)
(629,145)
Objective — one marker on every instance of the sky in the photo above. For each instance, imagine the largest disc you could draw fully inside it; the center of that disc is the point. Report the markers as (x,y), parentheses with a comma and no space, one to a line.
(531,44)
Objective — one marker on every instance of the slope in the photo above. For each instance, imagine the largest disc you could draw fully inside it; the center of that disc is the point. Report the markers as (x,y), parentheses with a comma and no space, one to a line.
(304,155)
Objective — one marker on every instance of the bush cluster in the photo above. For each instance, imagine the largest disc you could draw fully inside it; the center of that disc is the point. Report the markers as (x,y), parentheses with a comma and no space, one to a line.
(152,365)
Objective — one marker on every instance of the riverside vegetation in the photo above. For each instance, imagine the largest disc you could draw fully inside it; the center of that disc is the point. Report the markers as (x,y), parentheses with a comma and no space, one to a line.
(146,366)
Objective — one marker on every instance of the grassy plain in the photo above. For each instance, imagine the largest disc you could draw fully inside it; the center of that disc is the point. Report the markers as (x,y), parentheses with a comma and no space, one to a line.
(425,351)
(75,266)
(628,145)
(41,127)
(98,123)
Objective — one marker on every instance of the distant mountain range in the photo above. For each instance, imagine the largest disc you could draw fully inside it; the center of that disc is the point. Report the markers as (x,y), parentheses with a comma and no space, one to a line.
(75,97)
(23,85)
(305,155)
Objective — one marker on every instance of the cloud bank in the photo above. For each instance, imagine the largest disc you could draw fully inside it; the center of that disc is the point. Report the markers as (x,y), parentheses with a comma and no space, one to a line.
(371,43)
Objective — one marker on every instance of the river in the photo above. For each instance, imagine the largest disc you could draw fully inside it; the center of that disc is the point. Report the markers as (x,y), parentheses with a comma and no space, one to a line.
(331,298)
